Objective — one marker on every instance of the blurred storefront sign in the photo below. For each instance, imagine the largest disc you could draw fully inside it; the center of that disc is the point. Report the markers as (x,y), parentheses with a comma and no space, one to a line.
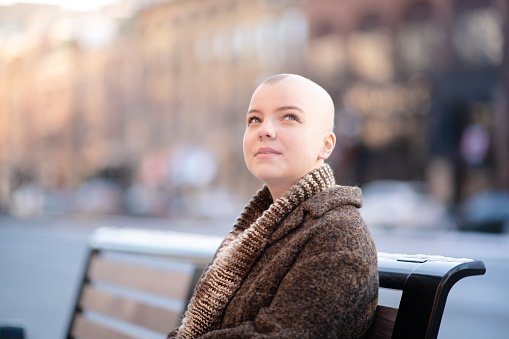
(388,112)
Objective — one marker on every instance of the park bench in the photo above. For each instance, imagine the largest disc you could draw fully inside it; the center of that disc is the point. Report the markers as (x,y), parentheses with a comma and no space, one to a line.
(136,284)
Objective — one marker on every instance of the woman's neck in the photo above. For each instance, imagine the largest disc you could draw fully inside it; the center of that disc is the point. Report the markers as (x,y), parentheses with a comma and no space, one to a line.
(276,193)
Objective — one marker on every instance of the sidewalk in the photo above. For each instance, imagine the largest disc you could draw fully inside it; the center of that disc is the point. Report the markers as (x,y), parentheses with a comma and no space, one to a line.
(41,262)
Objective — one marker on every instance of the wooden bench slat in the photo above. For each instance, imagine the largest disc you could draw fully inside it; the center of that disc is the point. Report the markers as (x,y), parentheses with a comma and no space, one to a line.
(383,324)
(172,284)
(129,310)
(85,328)
(424,282)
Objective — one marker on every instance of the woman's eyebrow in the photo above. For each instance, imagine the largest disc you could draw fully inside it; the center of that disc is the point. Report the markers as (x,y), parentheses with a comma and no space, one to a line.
(279,109)
(286,108)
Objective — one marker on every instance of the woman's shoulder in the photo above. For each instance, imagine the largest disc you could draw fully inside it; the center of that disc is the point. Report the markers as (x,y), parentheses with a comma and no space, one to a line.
(340,223)
(342,234)
(337,198)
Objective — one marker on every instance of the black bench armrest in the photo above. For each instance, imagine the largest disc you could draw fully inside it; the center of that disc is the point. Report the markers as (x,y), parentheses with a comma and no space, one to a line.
(425,281)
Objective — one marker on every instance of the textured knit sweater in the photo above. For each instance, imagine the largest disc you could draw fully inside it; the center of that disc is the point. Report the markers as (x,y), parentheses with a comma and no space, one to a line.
(303,266)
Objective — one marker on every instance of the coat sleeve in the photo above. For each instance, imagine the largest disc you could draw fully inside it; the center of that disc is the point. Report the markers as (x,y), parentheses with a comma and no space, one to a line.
(330,292)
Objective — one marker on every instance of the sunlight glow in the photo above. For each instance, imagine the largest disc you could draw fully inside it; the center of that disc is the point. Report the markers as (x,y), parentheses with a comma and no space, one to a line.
(77,5)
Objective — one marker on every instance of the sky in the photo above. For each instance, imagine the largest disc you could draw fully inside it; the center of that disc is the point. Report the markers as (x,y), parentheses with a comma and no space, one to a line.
(81,5)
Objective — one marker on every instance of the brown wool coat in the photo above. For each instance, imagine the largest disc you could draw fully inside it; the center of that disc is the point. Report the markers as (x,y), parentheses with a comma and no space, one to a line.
(316,277)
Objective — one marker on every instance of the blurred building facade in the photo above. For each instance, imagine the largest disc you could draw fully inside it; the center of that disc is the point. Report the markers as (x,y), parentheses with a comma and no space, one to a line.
(427,83)
(420,87)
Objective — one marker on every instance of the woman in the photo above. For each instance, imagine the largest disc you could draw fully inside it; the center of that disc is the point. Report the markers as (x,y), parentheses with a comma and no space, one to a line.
(299,262)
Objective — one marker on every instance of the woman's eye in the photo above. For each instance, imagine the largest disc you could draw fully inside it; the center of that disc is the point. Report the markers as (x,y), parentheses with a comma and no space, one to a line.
(253,119)
(291,117)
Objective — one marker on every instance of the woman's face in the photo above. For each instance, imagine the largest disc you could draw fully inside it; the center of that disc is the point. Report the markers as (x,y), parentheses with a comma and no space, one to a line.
(285,136)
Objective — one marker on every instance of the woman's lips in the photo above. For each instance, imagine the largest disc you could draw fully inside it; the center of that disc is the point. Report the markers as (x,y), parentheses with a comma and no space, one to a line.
(266,152)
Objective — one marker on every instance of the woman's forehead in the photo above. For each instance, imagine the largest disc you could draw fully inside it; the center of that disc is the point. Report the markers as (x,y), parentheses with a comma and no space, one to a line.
(281,94)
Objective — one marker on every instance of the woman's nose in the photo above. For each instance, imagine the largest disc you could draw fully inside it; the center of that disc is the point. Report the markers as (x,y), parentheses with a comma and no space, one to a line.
(267,131)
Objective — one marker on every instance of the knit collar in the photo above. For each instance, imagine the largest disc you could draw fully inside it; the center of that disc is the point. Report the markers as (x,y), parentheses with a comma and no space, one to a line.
(242,247)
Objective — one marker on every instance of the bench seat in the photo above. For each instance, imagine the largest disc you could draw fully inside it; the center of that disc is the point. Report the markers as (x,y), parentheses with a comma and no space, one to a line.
(136,284)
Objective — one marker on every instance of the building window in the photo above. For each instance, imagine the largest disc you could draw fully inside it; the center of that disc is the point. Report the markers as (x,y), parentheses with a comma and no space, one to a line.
(265,39)
(327,55)
(419,38)
(293,28)
(292,34)
(370,55)
(477,35)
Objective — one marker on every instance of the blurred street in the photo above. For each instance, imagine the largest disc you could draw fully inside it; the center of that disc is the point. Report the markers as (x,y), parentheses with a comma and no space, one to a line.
(41,263)
(138,107)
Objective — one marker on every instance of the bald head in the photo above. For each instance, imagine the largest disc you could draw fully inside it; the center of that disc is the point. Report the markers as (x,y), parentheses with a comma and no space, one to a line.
(314,97)
(288,130)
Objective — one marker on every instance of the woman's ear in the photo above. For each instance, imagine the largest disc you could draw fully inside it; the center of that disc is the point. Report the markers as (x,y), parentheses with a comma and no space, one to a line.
(329,143)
